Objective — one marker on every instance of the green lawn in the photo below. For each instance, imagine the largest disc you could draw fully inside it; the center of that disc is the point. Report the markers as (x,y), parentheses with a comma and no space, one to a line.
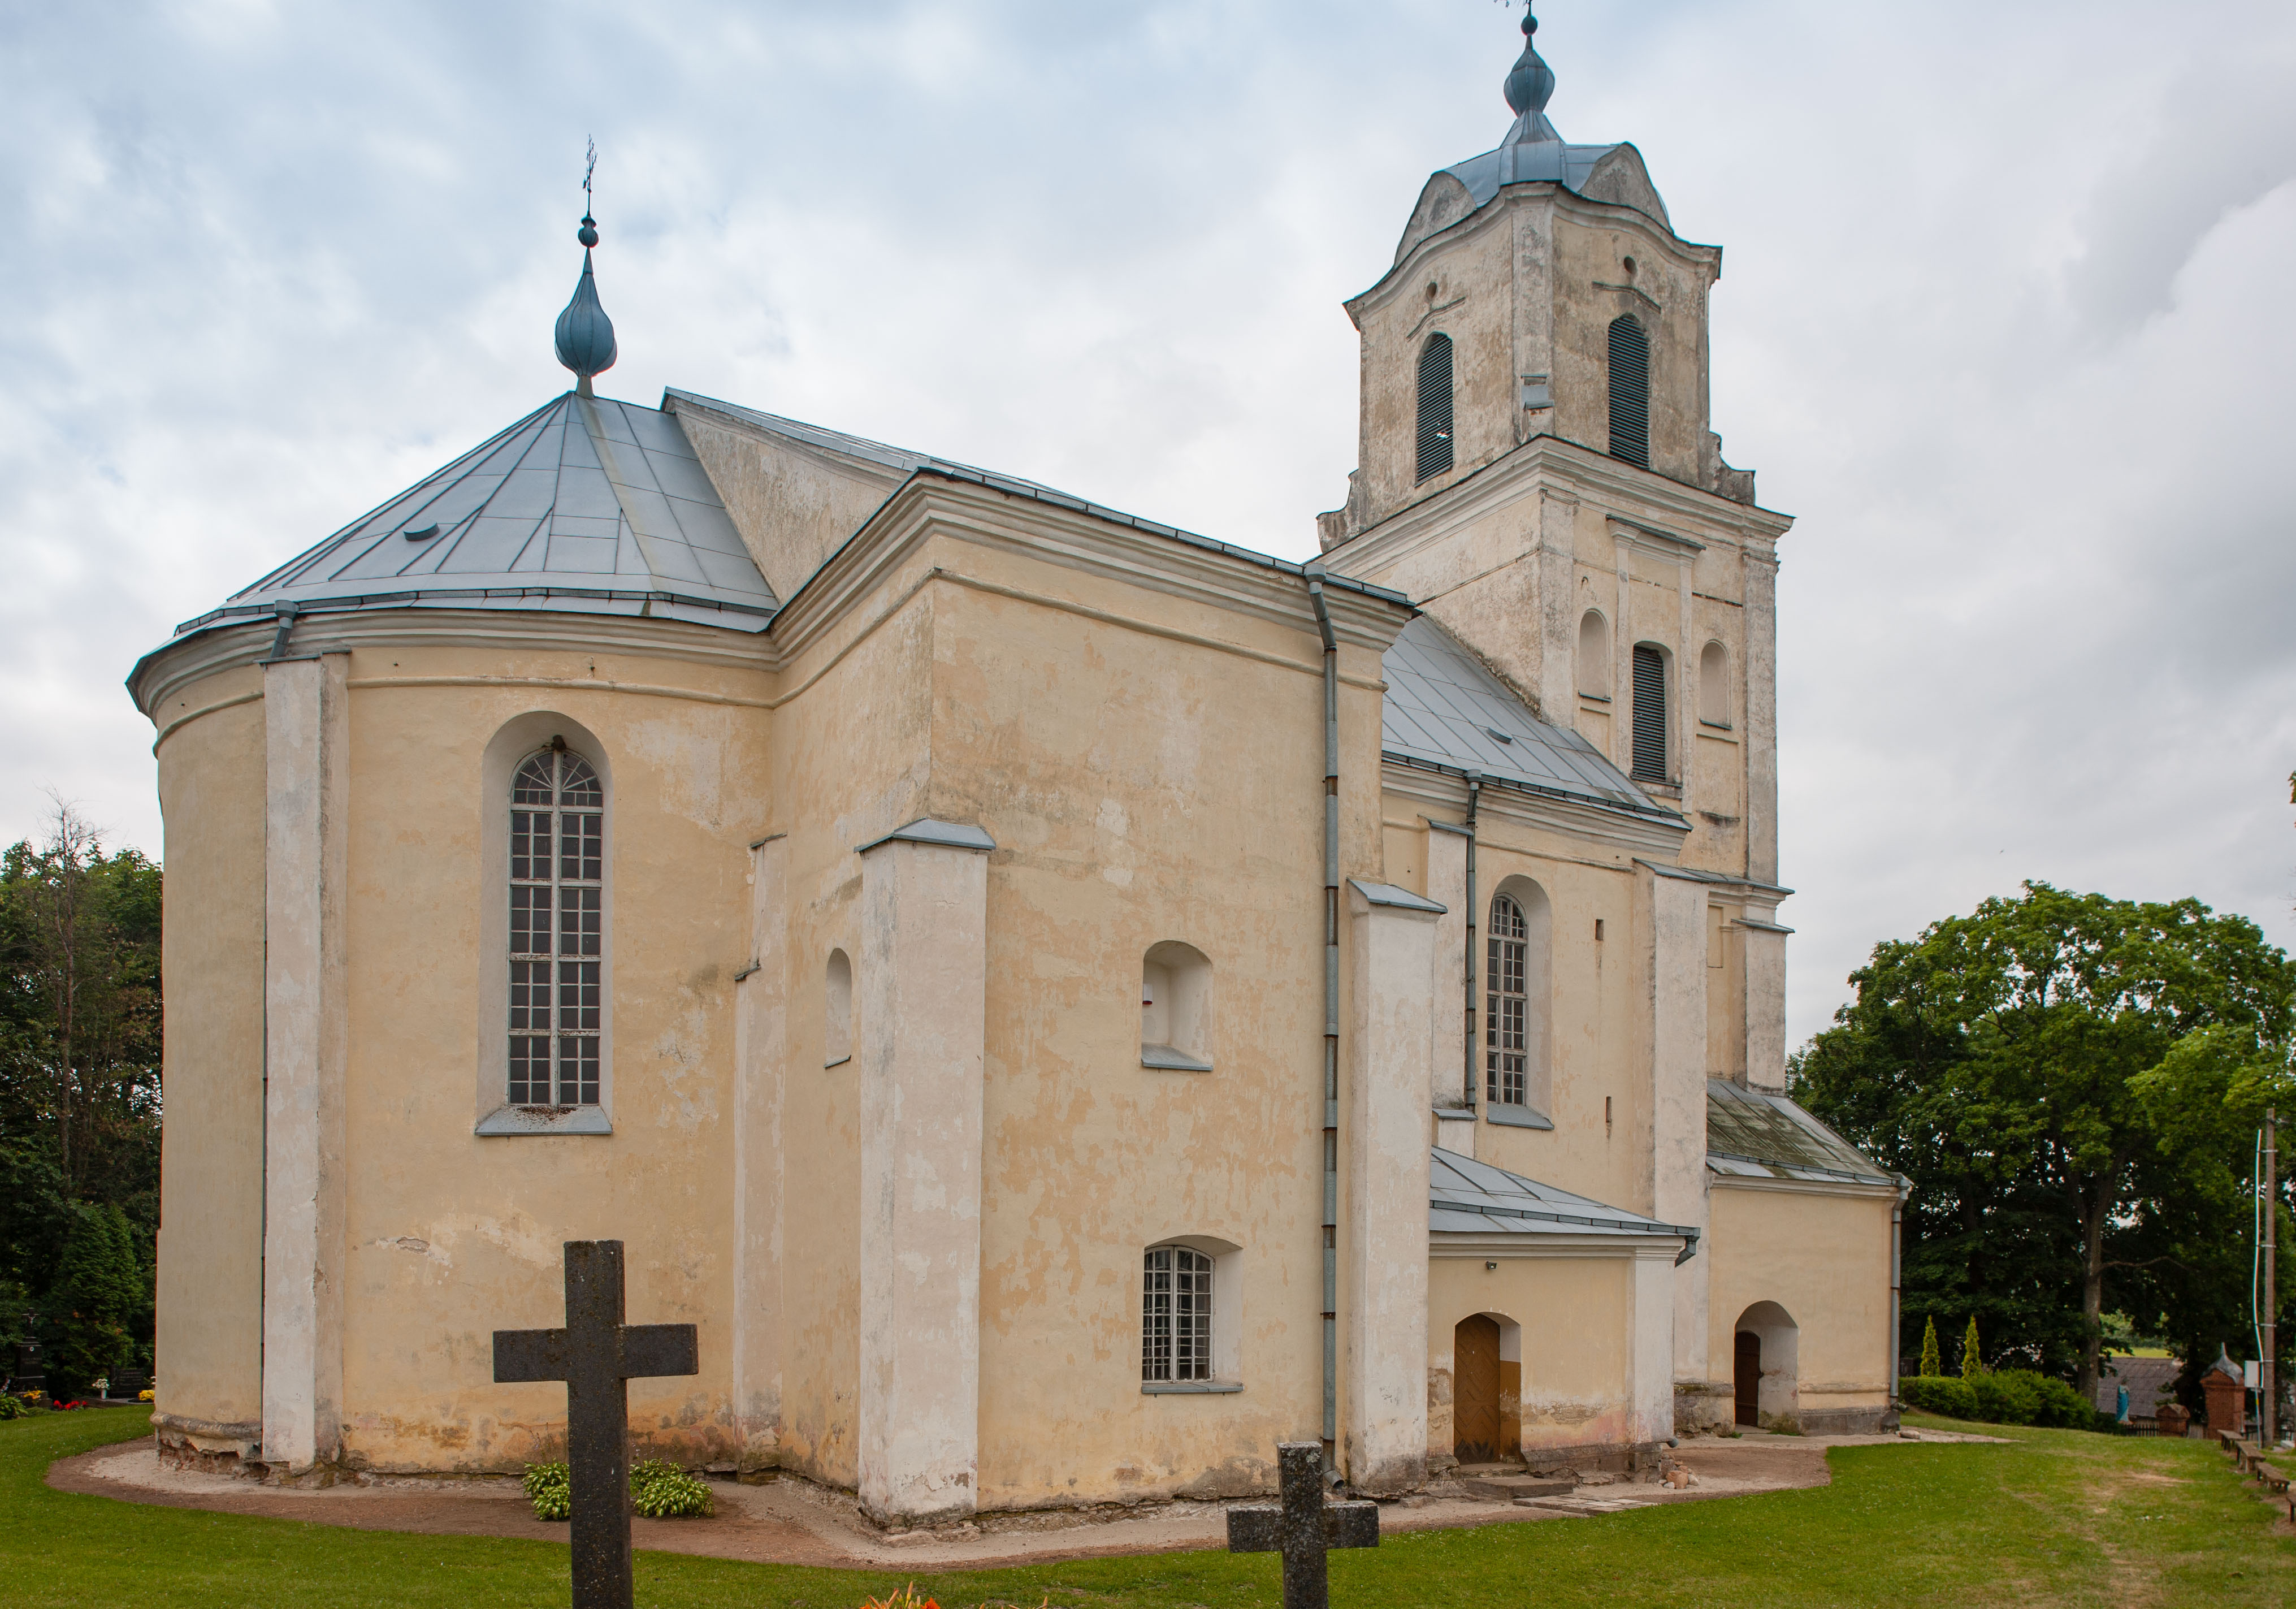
(2056,1517)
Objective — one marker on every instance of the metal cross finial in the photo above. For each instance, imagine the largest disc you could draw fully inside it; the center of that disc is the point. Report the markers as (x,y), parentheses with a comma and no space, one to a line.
(597,1356)
(588,233)
(586,335)
(1303,1526)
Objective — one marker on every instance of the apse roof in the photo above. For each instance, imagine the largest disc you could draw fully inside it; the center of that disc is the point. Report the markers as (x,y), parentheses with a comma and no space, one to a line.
(1468,1197)
(1444,709)
(1753,1135)
(586,505)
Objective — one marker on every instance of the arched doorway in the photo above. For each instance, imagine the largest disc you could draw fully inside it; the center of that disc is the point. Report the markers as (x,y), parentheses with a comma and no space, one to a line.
(1475,1391)
(1746,1376)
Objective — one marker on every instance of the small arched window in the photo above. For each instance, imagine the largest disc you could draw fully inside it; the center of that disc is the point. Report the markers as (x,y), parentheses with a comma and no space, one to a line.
(1714,686)
(557,929)
(1175,1320)
(1506,1035)
(837,1010)
(1629,372)
(1176,1008)
(1650,713)
(1434,406)
(1593,654)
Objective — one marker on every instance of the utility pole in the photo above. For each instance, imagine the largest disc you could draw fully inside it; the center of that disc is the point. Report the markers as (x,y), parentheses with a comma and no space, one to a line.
(2267,1374)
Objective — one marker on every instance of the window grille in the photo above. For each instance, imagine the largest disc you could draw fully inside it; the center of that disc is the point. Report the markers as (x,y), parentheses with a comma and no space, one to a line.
(1175,1328)
(1629,391)
(1650,713)
(1506,1037)
(1434,406)
(557,929)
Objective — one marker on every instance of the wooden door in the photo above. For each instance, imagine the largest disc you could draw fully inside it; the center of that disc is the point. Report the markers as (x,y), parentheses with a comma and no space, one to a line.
(1748,1378)
(1475,1391)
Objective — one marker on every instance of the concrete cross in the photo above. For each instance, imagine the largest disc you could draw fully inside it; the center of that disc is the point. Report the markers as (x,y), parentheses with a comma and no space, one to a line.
(1302,1526)
(597,1355)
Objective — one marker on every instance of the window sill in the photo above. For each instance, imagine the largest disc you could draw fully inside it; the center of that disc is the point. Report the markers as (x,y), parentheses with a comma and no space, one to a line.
(1163,1058)
(840,1062)
(1516,1117)
(1651,784)
(512,1121)
(1190,1388)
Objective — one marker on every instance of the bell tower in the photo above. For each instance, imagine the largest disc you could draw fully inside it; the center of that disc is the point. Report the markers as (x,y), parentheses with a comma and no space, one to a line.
(1538,290)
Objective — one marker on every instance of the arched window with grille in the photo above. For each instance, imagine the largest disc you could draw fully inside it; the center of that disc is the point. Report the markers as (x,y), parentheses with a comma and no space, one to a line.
(1434,406)
(557,929)
(1506,1024)
(1649,755)
(1175,1327)
(1629,372)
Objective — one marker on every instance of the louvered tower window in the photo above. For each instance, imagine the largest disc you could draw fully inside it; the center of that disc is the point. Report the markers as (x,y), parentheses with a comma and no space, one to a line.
(1629,391)
(1434,406)
(1650,713)
(1507,1034)
(557,929)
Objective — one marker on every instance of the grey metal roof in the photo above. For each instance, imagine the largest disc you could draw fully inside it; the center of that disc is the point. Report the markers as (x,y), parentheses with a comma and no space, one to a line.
(1752,1134)
(586,505)
(1444,709)
(1468,1197)
(1550,159)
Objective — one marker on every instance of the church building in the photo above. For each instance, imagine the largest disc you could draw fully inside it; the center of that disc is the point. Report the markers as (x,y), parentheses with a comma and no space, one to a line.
(1062,1003)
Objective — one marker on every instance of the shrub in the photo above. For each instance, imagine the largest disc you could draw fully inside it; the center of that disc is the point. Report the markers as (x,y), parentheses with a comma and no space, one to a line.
(1940,1394)
(1930,1367)
(551,1489)
(2005,1397)
(663,1491)
(1972,1360)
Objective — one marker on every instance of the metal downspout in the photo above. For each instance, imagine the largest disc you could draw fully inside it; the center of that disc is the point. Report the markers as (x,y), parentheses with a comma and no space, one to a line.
(1474,798)
(1897,1291)
(1330,1021)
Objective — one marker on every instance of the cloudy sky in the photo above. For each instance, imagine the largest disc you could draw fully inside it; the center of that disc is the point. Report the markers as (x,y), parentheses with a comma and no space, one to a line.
(2004,322)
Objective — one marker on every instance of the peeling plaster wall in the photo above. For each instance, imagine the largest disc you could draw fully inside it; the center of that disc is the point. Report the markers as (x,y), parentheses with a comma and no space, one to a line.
(1576,1381)
(210,1296)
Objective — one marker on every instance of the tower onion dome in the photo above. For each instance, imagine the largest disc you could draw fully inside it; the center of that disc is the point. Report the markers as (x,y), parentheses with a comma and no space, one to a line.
(586,335)
(1531,84)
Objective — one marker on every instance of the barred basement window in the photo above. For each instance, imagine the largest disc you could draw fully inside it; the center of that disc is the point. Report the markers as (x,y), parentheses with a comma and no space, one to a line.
(1629,391)
(1434,406)
(1176,1324)
(1506,1035)
(1650,713)
(557,929)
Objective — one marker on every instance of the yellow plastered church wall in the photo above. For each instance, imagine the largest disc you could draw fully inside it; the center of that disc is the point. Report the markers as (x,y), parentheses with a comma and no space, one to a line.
(1573,1315)
(1823,1257)
(209,1339)
(450,1235)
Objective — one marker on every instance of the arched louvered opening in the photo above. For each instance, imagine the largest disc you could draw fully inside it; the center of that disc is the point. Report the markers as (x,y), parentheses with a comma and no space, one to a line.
(1650,713)
(1629,391)
(1434,406)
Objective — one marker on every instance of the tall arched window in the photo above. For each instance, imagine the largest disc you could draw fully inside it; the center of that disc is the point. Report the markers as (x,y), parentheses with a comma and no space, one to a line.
(1434,406)
(557,929)
(1650,713)
(1629,391)
(1175,1320)
(1506,1035)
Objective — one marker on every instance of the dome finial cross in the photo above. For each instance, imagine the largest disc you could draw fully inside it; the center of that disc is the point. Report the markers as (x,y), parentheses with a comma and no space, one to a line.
(586,335)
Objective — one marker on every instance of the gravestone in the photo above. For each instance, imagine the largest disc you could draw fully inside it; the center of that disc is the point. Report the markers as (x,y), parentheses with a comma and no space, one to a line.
(1302,1526)
(597,1356)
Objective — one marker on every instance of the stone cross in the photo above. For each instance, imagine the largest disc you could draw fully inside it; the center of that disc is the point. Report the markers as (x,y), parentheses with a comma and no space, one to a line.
(597,1355)
(1302,1526)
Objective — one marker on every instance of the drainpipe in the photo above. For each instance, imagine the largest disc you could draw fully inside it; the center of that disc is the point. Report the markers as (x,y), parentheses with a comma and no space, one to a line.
(1474,798)
(1896,1289)
(1331,1022)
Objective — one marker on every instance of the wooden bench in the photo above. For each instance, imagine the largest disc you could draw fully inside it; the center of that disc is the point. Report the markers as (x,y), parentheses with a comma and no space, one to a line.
(2274,1481)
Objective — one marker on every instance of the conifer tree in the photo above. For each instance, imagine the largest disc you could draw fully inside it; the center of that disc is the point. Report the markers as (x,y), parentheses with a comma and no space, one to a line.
(1930,1365)
(1972,1364)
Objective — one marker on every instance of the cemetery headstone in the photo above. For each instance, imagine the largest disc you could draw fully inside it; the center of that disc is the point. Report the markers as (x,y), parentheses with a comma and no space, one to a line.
(597,1356)
(1302,1526)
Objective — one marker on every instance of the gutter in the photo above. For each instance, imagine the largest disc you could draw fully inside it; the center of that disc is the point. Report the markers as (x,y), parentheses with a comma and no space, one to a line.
(1331,1136)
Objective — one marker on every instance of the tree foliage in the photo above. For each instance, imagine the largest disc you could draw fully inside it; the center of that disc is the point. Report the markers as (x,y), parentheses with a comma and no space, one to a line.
(2072,1083)
(79,1094)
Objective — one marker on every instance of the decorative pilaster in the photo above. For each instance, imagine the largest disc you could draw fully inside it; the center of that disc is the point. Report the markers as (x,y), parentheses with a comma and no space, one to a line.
(1675,957)
(307,1044)
(923,1005)
(1384,1417)
(761,1072)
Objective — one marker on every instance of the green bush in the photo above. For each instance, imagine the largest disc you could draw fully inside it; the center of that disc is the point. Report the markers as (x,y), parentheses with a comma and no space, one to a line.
(2004,1396)
(663,1491)
(1945,1395)
(658,1490)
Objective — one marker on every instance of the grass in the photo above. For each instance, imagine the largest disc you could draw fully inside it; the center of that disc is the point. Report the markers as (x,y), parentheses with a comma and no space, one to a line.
(2055,1517)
